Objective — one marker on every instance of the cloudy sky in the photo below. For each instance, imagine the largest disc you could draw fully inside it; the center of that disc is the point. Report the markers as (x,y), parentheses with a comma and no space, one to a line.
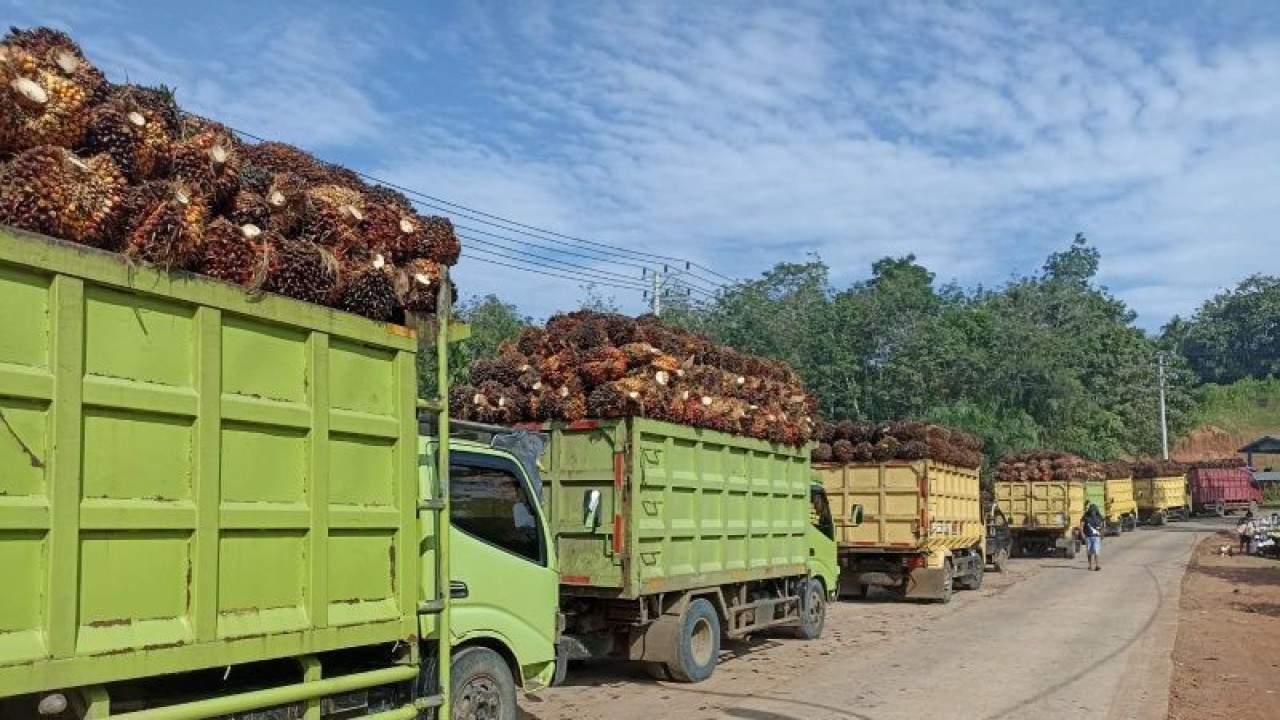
(735,135)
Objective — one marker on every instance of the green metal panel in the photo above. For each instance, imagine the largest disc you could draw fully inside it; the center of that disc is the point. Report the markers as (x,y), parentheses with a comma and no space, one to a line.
(1095,491)
(250,463)
(682,507)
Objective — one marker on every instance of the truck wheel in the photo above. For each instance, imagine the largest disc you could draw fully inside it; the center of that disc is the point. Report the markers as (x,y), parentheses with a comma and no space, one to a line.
(979,569)
(813,611)
(1001,560)
(698,646)
(864,592)
(483,687)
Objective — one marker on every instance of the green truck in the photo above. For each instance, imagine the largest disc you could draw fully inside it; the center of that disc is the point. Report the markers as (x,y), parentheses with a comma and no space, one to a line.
(214,505)
(671,538)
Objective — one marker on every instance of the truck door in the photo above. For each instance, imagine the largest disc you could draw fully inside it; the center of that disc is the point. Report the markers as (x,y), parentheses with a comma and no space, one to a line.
(821,536)
(504,579)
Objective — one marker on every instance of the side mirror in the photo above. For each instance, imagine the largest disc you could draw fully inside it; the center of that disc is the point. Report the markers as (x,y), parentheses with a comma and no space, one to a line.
(591,509)
(855,515)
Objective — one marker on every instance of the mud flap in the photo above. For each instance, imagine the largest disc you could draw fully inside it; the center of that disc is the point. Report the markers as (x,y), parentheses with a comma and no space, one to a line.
(926,583)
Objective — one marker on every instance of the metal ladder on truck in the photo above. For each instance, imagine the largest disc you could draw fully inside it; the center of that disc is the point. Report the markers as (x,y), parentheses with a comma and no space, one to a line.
(434,509)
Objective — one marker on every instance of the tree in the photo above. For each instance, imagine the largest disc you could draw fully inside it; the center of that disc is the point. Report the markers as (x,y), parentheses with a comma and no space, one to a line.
(492,322)
(1234,335)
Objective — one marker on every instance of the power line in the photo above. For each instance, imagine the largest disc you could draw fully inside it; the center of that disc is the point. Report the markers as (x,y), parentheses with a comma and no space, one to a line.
(514,226)
(562,267)
(522,245)
(549,273)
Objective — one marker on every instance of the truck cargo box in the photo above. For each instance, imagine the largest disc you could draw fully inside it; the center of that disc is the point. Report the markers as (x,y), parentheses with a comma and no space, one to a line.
(1122,509)
(1222,490)
(679,508)
(1048,505)
(1160,498)
(906,504)
(193,478)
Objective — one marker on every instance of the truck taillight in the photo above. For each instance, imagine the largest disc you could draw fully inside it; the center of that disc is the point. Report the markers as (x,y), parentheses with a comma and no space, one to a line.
(911,562)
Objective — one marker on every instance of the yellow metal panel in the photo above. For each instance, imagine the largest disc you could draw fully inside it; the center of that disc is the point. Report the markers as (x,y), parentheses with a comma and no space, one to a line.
(1041,504)
(1120,499)
(920,504)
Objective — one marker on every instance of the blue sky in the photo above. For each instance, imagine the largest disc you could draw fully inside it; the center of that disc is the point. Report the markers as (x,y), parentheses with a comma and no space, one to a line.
(980,137)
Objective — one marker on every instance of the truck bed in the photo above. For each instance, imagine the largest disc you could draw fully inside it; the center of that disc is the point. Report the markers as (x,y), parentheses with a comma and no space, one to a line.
(190,477)
(908,506)
(681,508)
(1055,505)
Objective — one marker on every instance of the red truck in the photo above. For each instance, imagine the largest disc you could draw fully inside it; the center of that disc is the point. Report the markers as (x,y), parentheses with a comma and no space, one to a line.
(1218,491)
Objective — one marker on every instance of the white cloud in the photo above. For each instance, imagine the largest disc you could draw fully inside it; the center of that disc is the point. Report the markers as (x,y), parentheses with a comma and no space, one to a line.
(740,135)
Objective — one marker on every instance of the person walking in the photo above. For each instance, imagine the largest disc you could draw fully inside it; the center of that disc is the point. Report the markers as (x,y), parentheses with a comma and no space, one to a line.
(1091,528)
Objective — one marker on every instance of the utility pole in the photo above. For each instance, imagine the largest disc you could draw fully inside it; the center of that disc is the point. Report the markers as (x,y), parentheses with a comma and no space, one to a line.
(655,293)
(1164,427)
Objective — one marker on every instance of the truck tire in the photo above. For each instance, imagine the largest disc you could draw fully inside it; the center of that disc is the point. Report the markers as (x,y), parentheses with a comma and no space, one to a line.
(483,687)
(1001,562)
(813,611)
(698,645)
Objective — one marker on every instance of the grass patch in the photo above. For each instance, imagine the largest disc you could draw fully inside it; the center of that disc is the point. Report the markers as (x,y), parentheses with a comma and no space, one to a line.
(1246,405)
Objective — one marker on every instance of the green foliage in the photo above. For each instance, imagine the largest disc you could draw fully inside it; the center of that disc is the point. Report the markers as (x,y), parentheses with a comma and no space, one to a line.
(1235,335)
(492,322)
(1049,360)
(1243,406)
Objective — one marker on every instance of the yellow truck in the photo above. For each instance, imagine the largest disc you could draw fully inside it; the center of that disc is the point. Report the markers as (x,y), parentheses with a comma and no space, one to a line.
(1044,517)
(1122,508)
(913,527)
(1161,499)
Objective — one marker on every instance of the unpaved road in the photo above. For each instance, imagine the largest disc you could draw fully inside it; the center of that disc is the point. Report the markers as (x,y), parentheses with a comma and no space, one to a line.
(1046,640)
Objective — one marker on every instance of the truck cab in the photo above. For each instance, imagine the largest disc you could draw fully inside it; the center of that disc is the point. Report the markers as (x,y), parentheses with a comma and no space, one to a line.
(824,562)
(503,578)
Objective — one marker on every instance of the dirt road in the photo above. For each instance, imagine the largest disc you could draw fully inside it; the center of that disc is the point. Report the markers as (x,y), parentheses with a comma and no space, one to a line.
(1047,640)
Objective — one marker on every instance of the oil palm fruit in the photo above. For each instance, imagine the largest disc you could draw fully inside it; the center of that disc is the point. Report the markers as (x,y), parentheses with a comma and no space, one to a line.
(209,161)
(368,288)
(169,222)
(55,51)
(233,253)
(418,286)
(301,270)
(52,191)
(39,108)
(441,241)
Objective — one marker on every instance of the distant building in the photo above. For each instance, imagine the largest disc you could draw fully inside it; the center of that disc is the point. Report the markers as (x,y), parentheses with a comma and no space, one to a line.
(1264,469)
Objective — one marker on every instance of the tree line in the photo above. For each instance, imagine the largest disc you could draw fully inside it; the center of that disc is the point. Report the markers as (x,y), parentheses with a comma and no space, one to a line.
(1051,359)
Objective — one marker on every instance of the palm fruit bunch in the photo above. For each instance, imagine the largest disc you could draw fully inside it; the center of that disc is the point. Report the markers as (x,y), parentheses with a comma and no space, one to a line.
(123,168)
(301,270)
(209,161)
(1040,465)
(1116,469)
(858,442)
(418,286)
(1226,463)
(1146,468)
(50,190)
(136,126)
(46,89)
(333,217)
(168,224)
(55,50)
(607,365)
(368,288)
(234,253)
